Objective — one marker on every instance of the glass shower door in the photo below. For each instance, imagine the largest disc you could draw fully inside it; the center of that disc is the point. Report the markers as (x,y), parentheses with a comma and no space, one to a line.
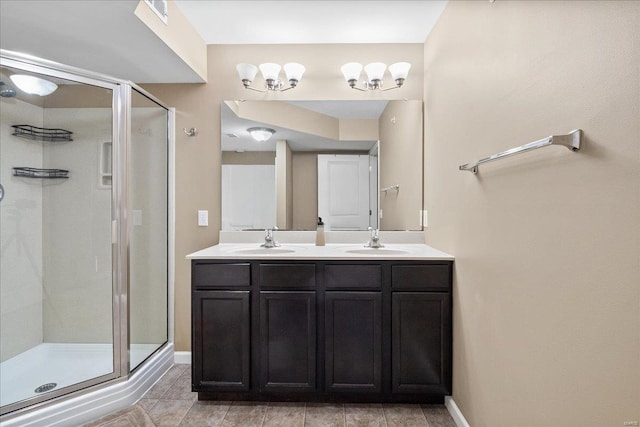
(56,280)
(148,222)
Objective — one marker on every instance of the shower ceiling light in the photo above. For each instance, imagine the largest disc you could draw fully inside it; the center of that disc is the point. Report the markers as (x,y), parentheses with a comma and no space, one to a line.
(271,74)
(261,134)
(33,85)
(375,72)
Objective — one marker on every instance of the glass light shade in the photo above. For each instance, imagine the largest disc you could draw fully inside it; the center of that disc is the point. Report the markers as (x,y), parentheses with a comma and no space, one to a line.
(294,71)
(351,71)
(270,71)
(33,85)
(247,71)
(375,70)
(261,134)
(399,70)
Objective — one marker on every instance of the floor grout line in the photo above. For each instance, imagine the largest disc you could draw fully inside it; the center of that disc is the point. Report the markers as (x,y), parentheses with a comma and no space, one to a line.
(425,416)
(225,413)
(264,417)
(384,416)
(304,415)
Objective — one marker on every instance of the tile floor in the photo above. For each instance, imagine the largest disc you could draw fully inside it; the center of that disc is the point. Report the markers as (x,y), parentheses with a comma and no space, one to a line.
(170,402)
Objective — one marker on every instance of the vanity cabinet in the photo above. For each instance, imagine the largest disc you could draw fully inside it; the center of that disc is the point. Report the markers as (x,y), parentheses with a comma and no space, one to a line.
(321,330)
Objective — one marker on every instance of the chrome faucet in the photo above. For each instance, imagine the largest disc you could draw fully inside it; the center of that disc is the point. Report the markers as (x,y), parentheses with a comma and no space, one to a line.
(269,240)
(374,240)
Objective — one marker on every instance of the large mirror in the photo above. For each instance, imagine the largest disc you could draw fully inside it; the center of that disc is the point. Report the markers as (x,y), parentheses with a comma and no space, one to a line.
(355,164)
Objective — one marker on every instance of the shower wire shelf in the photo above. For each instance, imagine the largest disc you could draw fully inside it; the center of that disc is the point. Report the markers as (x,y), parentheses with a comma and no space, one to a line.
(40,173)
(41,134)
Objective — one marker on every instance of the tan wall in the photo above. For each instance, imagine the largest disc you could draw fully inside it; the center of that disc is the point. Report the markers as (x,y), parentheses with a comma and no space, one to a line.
(198,105)
(547,244)
(358,130)
(284,205)
(285,115)
(249,158)
(400,151)
(305,190)
(178,34)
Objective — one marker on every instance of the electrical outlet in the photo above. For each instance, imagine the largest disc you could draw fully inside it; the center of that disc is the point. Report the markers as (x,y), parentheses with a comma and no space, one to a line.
(203,218)
(631,423)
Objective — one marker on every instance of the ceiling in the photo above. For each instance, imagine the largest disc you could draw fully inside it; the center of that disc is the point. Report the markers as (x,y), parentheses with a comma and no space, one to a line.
(105,36)
(102,36)
(323,21)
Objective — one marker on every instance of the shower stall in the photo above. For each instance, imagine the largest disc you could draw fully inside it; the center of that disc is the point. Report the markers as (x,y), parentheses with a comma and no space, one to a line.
(85,230)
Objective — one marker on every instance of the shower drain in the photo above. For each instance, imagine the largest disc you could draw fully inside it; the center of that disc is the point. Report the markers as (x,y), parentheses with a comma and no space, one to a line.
(45,387)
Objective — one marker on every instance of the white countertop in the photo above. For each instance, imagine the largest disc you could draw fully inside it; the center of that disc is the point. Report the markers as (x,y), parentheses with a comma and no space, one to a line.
(334,251)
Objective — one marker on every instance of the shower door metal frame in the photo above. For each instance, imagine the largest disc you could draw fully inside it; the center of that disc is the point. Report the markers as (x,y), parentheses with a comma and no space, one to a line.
(121,134)
(126,364)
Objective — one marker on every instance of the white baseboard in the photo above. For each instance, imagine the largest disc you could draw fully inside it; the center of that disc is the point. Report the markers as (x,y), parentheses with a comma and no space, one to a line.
(182,357)
(455,412)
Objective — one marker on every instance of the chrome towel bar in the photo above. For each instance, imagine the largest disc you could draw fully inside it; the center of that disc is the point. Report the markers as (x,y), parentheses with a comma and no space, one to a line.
(572,141)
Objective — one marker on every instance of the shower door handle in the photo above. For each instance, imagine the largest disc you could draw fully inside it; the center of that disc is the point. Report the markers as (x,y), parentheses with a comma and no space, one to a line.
(1,192)
(114,232)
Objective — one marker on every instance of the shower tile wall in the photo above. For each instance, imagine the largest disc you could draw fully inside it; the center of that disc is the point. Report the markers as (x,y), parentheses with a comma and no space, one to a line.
(56,281)
(21,236)
(77,231)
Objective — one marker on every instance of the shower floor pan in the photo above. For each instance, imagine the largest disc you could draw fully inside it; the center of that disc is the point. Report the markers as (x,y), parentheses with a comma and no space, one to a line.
(59,364)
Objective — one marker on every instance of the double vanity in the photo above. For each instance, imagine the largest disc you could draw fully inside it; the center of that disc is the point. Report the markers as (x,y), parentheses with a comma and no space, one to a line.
(340,322)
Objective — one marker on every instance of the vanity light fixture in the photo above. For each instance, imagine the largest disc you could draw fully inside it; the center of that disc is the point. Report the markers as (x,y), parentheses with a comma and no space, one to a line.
(261,134)
(271,74)
(33,85)
(375,73)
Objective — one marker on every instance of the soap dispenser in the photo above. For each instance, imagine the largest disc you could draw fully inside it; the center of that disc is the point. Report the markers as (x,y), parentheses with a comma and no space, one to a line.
(320,233)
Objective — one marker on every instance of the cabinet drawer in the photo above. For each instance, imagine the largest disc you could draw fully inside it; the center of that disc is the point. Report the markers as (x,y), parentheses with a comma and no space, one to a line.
(208,275)
(353,276)
(288,275)
(423,277)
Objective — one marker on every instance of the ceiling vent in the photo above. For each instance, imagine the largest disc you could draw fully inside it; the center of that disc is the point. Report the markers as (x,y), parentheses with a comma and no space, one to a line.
(160,7)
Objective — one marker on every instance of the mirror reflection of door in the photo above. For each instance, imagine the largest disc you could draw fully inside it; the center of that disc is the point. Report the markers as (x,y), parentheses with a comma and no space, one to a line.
(343,191)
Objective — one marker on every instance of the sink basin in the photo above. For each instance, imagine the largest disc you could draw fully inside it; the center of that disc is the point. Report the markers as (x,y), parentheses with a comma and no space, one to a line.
(377,251)
(264,251)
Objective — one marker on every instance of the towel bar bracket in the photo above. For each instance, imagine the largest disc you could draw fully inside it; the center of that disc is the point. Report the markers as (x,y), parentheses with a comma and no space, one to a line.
(572,140)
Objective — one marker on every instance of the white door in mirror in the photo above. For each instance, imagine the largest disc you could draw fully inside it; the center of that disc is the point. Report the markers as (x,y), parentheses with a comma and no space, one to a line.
(343,191)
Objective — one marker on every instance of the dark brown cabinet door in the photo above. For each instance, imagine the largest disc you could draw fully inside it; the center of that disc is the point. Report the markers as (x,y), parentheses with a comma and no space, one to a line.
(421,342)
(221,340)
(353,342)
(288,341)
